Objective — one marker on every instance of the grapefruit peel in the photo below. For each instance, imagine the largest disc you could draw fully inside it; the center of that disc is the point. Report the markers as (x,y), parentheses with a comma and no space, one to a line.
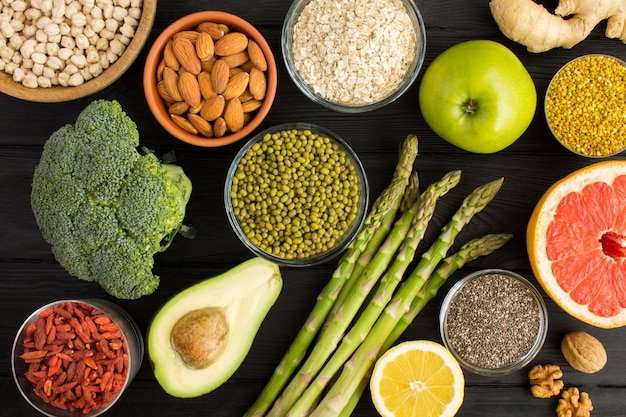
(576,243)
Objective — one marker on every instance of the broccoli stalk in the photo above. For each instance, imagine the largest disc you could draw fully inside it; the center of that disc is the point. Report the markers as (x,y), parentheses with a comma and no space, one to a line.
(105,208)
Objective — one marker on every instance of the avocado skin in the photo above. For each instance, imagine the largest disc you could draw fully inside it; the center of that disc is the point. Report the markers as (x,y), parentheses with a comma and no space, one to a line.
(246,294)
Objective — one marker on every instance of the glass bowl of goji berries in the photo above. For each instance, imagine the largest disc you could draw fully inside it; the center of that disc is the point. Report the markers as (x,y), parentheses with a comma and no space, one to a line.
(76,357)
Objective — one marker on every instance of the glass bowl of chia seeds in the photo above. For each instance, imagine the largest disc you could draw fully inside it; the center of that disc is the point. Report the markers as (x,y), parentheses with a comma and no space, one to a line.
(296,194)
(584,105)
(494,322)
(353,56)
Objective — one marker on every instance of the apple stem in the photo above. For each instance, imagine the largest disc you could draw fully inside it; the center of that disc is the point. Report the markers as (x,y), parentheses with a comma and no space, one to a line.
(470,106)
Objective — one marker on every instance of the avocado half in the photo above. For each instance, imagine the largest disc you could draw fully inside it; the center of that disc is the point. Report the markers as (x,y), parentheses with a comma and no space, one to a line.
(241,298)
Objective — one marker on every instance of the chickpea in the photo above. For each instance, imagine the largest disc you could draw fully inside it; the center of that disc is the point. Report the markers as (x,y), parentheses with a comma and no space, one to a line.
(30,80)
(6,53)
(18,75)
(76,80)
(43,81)
(64,42)
(6,29)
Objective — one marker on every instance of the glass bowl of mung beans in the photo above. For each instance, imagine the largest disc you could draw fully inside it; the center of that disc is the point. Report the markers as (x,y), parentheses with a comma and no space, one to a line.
(296,194)
(494,322)
(584,105)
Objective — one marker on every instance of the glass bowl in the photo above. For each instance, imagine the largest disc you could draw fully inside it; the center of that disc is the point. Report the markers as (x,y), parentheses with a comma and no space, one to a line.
(393,45)
(493,321)
(291,203)
(162,112)
(584,106)
(115,348)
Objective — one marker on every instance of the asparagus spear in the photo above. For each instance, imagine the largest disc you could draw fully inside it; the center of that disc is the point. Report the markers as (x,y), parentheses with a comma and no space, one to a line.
(471,250)
(426,207)
(336,324)
(385,206)
(411,192)
(356,368)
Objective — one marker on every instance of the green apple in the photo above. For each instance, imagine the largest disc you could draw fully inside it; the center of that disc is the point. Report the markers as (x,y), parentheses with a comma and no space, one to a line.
(478,96)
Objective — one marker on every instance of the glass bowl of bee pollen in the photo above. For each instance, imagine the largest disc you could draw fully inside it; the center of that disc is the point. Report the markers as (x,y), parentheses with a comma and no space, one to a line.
(584,106)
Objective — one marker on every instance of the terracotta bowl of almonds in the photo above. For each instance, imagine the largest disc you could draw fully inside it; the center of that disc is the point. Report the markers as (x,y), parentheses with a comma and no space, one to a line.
(210,78)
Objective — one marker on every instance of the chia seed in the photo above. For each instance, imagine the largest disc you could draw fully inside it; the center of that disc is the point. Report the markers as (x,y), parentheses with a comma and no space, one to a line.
(493,321)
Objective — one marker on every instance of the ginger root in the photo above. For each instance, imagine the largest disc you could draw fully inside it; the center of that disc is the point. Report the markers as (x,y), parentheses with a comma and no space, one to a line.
(532,25)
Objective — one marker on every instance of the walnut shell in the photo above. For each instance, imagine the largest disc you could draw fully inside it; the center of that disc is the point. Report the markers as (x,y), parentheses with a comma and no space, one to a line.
(583,352)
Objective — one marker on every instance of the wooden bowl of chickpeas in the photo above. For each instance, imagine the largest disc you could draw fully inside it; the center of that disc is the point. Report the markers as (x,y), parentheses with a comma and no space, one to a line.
(53,52)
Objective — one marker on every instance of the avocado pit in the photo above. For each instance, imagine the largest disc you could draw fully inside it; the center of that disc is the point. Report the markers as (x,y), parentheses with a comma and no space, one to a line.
(199,337)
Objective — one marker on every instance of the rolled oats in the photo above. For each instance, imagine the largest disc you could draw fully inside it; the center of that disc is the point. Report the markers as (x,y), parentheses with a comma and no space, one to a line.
(354,52)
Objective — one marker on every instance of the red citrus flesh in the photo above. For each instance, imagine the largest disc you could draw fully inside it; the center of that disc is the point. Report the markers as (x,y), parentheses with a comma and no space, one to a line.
(577,246)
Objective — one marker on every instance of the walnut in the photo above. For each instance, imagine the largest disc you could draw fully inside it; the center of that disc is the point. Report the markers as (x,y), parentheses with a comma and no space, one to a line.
(583,352)
(574,404)
(544,380)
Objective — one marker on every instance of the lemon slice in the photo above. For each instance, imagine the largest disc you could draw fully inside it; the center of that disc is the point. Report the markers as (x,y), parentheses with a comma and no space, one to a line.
(417,378)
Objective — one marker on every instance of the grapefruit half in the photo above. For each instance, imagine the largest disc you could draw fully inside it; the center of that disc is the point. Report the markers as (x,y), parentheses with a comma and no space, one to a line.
(576,241)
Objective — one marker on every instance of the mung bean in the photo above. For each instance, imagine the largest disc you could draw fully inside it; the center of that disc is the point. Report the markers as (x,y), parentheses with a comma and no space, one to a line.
(295,193)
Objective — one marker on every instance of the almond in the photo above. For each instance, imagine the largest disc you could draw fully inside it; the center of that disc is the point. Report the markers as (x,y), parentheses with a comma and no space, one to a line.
(214,29)
(206,86)
(233,115)
(213,108)
(246,96)
(185,53)
(169,57)
(236,60)
(190,35)
(246,66)
(204,46)
(196,109)
(184,124)
(231,43)
(170,81)
(160,68)
(219,127)
(251,105)
(189,88)
(257,57)
(165,95)
(234,71)
(207,64)
(236,85)
(202,126)
(220,75)
(257,84)
(179,108)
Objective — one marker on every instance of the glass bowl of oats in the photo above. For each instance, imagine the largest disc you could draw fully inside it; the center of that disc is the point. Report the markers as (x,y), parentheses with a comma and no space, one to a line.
(353,56)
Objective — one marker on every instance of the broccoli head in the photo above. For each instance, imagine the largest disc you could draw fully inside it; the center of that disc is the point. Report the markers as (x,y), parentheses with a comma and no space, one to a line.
(105,207)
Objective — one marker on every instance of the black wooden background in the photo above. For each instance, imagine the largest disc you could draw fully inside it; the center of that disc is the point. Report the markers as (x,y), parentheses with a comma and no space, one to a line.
(30,277)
